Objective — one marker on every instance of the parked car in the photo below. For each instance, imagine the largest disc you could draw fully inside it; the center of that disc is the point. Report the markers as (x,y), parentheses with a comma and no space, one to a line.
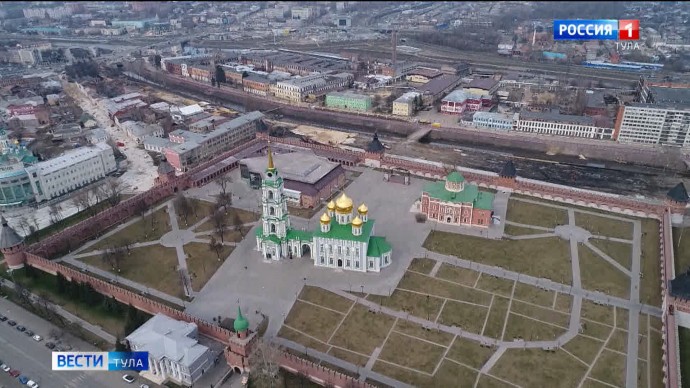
(29,333)
(3,318)
(11,323)
(128,378)
(144,386)
(37,338)
(14,372)
(23,379)
(21,328)
(50,345)
(5,368)
(32,384)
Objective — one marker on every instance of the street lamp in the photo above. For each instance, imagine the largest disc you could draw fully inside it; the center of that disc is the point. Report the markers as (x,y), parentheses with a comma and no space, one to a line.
(362,289)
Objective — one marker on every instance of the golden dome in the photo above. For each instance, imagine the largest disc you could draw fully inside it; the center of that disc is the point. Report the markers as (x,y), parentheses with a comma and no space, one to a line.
(325,218)
(357,222)
(362,209)
(343,204)
(331,206)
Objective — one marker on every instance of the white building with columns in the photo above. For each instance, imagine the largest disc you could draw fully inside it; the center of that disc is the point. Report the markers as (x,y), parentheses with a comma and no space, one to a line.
(175,354)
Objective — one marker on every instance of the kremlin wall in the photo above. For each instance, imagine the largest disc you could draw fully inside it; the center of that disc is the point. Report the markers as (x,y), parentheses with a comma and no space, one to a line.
(239,345)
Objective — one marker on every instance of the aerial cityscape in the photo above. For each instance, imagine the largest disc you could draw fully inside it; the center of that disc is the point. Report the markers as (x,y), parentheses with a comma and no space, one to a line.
(344,194)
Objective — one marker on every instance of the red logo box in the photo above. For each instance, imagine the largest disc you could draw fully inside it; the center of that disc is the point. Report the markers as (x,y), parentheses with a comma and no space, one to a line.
(628,30)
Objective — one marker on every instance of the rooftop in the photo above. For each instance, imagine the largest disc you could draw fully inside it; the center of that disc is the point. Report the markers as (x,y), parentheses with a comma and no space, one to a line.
(483,83)
(344,232)
(439,84)
(69,158)
(670,95)
(407,97)
(470,194)
(303,167)
(164,337)
(557,117)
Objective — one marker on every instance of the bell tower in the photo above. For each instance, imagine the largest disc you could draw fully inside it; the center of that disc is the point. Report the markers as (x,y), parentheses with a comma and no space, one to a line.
(275,221)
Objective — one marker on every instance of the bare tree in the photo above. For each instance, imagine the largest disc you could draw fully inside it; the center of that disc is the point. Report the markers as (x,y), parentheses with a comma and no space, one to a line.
(33,223)
(183,207)
(224,201)
(23,223)
(237,223)
(265,361)
(98,193)
(113,190)
(142,208)
(223,182)
(215,246)
(55,212)
(126,245)
(218,220)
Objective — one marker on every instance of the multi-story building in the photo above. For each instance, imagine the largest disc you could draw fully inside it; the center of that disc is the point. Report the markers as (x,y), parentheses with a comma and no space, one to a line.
(405,105)
(55,177)
(15,188)
(174,351)
(435,89)
(256,84)
(490,120)
(199,73)
(192,148)
(483,86)
(552,123)
(350,101)
(58,12)
(664,123)
(462,100)
(422,75)
(297,89)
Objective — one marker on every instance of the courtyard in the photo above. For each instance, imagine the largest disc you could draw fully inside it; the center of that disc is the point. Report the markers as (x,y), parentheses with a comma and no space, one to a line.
(571,289)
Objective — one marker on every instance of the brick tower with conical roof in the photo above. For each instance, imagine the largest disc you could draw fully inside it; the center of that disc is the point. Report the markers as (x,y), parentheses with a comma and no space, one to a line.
(241,344)
(11,246)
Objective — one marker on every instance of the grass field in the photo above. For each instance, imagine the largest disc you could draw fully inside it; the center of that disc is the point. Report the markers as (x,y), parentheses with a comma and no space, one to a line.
(325,298)
(463,276)
(604,226)
(599,275)
(528,213)
(233,217)
(619,251)
(422,265)
(681,249)
(150,228)
(551,253)
(424,358)
(362,331)
(537,368)
(650,284)
(515,230)
(153,266)
(202,262)
(312,320)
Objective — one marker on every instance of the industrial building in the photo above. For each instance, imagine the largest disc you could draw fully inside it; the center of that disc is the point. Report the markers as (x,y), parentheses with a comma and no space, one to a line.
(462,100)
(192,148)
(553,123)
(490,120)
(297,89)
(349,101)
(308,178)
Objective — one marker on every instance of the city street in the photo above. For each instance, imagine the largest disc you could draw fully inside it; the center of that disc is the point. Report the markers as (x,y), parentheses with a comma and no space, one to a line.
(33,359)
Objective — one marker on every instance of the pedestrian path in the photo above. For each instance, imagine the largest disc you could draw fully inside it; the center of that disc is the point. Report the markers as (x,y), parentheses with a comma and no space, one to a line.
(338,362)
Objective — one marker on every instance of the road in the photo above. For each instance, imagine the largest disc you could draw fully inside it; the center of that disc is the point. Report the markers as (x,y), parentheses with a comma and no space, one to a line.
(33,359)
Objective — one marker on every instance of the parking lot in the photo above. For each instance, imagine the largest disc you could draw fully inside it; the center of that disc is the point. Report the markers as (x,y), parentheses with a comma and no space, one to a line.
(33,360)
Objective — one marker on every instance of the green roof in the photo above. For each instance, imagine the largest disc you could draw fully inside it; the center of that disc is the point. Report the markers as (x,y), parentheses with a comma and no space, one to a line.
(300,235)
(344,232)
(455,177)
(241,324)
(471,194)
(270,237)
(378,246)
(272,183)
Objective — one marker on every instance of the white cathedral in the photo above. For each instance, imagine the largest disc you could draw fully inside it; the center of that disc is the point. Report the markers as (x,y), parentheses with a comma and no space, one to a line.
(344,240)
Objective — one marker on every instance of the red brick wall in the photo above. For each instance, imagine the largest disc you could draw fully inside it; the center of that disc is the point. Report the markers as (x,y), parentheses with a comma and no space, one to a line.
(320,374)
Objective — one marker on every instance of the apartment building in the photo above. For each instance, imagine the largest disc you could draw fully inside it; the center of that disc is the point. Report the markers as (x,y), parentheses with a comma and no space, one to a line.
(55,177)
(490,120)
(297,89)
(191,148)
(256,84)
(552,123)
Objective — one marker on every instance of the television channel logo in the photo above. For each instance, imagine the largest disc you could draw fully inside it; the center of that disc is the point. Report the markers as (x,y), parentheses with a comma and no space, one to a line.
(599,29)
(112,361)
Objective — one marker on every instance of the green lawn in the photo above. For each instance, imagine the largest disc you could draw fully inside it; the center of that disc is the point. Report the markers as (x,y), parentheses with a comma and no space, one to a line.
(439,337)
(514,230)
(681,249)
(443,289)
(325,298)
(463,276)
(469,352)
(465,316)
(150,228)
(621,252)
(599,275)
(610,368)
(449,374)
(233,217)
(527,213)
(537,368)
(535,295)
(604,226)
(650,284)
(203,262)
(153,266)
(422,265)
(197,211)
(497,316)
(363,331)
(552,253)
(584,348)
(684,344)
(415,304)
(424,358)
(314,321)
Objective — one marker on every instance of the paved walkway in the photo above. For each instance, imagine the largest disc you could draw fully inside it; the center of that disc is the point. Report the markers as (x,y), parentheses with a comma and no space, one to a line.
(634,314)
(179,239)
(339,363)
(96,330)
